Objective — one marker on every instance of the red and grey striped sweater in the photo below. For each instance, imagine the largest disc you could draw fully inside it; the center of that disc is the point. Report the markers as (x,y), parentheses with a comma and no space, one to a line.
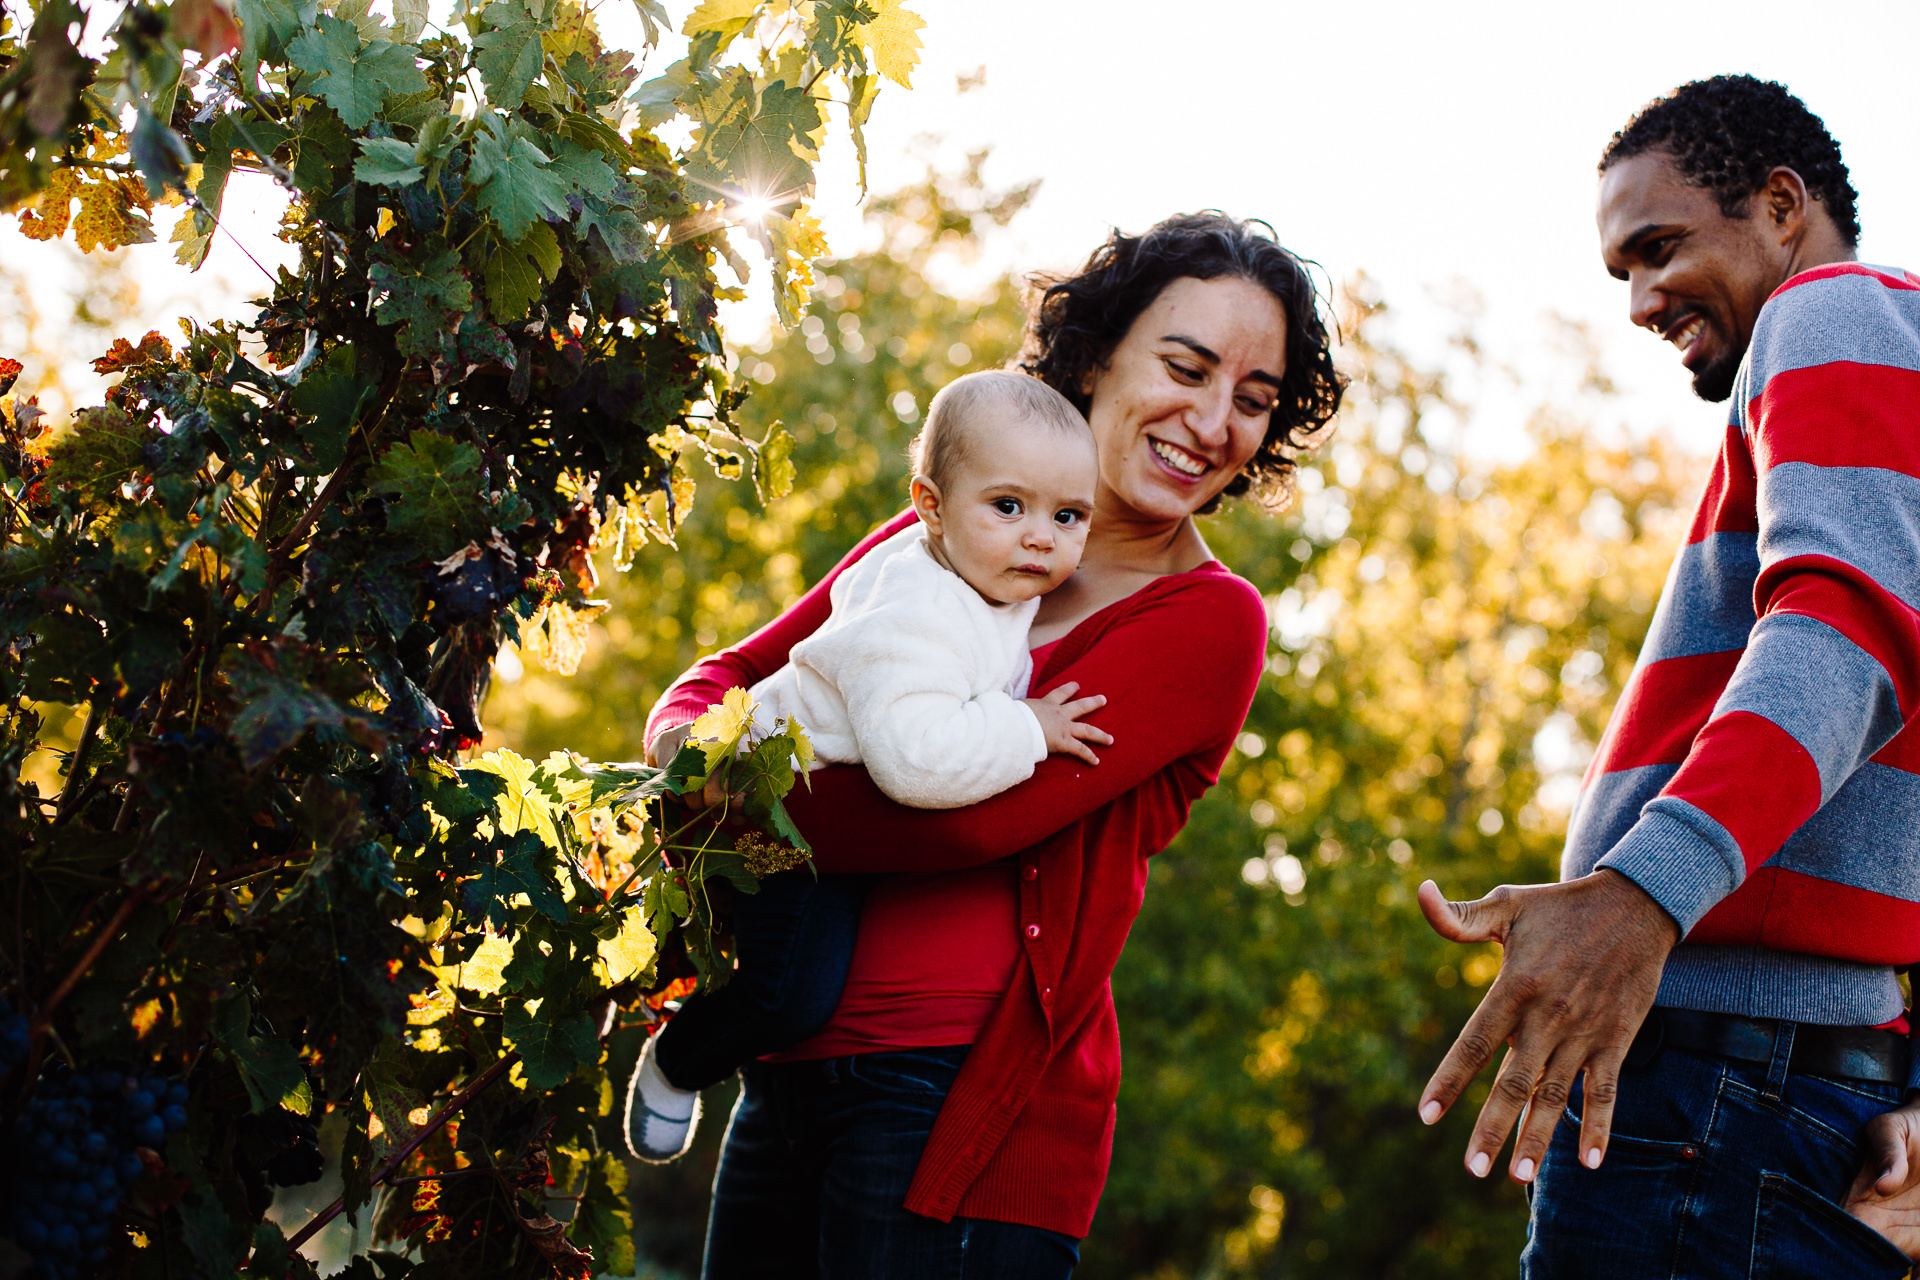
(1760,776)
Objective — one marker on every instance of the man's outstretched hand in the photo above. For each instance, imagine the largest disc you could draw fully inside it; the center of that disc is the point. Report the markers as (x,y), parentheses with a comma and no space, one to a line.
(1886,1195)
(1581,969)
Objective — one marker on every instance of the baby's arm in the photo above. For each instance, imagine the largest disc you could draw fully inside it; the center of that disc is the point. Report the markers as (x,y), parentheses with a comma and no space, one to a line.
(1059,716)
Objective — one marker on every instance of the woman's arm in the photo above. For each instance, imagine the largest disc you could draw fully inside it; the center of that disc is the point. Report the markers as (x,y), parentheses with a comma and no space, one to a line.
(1179,673)
(762,653)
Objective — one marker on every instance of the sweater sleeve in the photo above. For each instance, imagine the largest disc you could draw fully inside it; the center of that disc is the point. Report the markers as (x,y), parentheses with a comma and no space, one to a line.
(1831,670)
(1179,671)
(762,653)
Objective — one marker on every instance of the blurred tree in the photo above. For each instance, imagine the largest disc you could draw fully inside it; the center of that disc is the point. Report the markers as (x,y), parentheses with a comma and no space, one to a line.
(1448,637)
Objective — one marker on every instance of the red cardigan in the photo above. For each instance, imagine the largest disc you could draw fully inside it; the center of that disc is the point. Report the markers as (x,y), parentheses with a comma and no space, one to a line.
(1027,1130)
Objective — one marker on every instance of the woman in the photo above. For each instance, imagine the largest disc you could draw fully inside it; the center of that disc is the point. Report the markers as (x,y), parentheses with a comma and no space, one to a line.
(955,1117)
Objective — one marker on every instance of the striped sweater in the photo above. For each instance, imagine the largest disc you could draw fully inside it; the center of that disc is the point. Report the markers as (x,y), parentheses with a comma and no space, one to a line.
(1760,777)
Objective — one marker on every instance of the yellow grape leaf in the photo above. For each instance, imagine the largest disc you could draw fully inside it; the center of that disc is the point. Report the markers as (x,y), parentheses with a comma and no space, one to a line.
(112,214)
(524,807)
(797,240)
(485,971)
(894,37)
(630,951)
(53,212)
(712,15)
(556,637)
(802,745)
(722,725)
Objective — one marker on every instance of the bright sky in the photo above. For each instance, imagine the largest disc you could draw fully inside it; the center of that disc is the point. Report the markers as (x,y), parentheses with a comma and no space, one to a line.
(1430,145)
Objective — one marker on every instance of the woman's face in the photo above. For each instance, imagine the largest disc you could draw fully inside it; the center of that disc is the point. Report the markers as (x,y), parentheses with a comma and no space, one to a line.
(1185,399)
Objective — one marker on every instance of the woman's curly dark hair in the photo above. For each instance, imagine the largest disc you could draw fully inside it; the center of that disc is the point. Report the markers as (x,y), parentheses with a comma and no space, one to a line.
(1081,318)
(1727,133)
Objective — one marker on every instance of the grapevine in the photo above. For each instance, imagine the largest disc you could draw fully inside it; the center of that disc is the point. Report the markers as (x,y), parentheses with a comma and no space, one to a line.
(266,891)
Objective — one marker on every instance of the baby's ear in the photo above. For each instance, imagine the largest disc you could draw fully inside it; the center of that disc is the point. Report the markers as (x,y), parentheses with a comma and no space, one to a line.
(926,502)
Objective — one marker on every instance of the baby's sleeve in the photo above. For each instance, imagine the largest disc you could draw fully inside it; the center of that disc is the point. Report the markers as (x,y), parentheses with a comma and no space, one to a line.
(908,672)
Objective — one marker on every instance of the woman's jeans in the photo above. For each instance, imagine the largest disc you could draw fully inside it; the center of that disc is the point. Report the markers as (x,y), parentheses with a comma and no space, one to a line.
(1716,1168)
(814,1175)
(795,940)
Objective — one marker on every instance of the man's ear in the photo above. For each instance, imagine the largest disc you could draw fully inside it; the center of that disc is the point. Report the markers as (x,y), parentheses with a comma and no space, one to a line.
(926,503)
(1785,196)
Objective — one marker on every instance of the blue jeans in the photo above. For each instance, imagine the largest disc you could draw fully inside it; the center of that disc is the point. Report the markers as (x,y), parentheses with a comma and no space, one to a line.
(813,1180)
(1716,1169)
(794,940)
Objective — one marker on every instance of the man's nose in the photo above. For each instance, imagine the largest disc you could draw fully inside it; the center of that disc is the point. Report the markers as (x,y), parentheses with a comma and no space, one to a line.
(1648,301)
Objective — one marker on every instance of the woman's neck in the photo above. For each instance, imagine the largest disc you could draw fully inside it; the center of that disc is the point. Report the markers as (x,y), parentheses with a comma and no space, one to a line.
(1124,543)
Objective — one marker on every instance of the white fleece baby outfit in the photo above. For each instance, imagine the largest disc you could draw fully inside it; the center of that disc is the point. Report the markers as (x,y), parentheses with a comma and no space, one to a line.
(916,676)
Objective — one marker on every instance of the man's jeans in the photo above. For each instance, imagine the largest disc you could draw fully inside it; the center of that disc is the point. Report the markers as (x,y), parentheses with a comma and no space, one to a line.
(1716,1169)
(814,1175)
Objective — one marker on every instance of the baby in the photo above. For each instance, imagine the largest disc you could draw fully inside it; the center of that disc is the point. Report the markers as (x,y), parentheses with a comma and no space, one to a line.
(921,674)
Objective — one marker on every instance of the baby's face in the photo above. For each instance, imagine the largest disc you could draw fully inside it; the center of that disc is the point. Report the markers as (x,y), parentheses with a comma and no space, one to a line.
(1013,518)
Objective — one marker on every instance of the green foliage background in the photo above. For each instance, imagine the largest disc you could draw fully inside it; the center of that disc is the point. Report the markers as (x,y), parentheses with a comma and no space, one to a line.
(1281,999)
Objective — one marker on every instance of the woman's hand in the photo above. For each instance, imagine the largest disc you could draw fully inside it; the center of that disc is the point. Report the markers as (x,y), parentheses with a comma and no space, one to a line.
(1059,716)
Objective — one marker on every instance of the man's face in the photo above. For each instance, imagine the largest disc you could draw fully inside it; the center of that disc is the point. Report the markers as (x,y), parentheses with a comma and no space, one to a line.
(1699,278)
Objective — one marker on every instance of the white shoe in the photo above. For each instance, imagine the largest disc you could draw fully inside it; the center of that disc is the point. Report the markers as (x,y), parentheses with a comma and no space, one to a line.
(660,1118)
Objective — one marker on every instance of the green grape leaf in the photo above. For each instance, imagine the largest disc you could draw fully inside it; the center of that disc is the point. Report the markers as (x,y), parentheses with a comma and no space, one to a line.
(509,55)
(435,486)
(387,162)
(510,274)
(409,19)
(354,81)
(758,143)
(582,168)
(270,1068)
(549,1051)
(653,20)
(104,450)
(423,292)
(773,470)
(265,28)
(329,399)
(521,870)
(320,148)
(517,186)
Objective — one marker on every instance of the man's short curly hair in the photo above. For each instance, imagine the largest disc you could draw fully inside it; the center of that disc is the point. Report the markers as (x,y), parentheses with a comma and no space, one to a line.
(1727,133)
(1081,318)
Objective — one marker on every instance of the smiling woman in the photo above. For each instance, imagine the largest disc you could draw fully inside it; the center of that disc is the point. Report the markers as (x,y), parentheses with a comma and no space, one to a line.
(954,1117)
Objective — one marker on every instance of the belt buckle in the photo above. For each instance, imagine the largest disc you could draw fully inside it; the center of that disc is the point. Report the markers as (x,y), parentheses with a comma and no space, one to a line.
(1648,1041)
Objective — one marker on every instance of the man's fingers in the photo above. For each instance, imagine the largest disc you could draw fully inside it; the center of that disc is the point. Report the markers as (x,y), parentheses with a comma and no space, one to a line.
(1597,1099)
(1544,1111)
(1512,1090)
(1473,1049)
(1887,1152)
(1484,920)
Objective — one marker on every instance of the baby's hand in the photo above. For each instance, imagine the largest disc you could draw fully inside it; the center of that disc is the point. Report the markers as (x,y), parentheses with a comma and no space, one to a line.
(1059,714)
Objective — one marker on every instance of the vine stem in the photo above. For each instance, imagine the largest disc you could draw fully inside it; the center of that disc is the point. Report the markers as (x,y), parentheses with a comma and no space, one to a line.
(77,767)
(108,932)
(454,1106)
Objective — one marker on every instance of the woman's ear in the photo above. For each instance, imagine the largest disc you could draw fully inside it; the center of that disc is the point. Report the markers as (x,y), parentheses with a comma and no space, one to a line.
(926,503)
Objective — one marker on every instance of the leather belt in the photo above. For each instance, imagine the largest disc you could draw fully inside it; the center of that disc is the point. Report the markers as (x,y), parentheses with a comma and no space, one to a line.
(1847,1053)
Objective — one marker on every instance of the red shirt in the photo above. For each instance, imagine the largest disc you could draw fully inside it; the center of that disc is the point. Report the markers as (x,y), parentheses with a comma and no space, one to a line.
(1026,1132)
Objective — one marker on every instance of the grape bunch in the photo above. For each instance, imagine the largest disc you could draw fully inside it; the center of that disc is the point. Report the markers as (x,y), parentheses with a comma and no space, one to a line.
(14,1039)
(74,1155)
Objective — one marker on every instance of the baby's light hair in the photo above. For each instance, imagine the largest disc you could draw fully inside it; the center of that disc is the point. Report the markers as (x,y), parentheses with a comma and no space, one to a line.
(944,444)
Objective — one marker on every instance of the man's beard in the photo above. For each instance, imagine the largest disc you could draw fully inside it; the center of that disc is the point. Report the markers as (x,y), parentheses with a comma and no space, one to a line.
(1715,382)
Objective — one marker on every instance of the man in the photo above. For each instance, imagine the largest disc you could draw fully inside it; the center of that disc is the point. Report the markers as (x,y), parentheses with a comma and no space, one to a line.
(1741,881)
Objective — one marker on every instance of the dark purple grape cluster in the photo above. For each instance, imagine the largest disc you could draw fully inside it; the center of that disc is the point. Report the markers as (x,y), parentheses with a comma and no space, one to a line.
(14,1039)
(74,1155)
